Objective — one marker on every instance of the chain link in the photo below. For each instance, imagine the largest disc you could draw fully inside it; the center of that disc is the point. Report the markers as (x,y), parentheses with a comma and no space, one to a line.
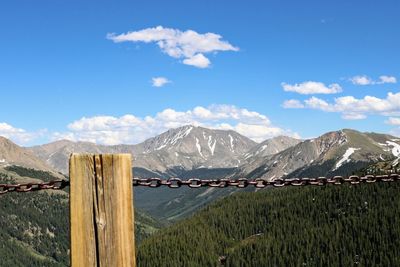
(29,187)
(217,183)
(262,183)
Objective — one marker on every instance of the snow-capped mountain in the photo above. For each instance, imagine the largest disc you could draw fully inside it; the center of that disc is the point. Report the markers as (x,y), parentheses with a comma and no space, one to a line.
(192,147)
(339,152)
(184,148)
(189,148)
(199,152)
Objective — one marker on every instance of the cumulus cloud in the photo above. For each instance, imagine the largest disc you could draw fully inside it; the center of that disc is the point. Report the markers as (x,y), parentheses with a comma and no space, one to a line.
(393,121)
(198,60)
(159,81)
(292,103)
(18,135)
(353,108)
(317,103)
(187,45)
(311,87)
(353,116)
(130,129)
(365,80)
(387,79)
(361,80)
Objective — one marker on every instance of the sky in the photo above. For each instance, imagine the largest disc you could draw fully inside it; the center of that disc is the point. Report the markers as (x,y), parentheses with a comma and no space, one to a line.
(116,72)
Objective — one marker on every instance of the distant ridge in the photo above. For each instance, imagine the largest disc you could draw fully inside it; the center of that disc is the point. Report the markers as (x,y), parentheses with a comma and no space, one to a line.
(340,152)
(12,154)
(183,148)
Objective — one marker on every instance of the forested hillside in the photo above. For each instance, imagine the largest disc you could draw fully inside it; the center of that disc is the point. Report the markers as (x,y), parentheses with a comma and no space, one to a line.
(299,226)
(34,226)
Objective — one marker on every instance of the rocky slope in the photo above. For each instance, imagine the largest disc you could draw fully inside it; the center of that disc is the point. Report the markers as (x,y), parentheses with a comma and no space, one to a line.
(192,147)
(57,154)
(269,147)
(184,148)
(339,152)
(12,154)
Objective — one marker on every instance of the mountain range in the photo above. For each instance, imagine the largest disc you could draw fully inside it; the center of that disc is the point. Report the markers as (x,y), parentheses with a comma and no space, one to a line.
(184,148)
(334,153)
(191,151)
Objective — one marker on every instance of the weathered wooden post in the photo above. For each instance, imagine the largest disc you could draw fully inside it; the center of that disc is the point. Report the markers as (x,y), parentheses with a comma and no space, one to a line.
(101,211)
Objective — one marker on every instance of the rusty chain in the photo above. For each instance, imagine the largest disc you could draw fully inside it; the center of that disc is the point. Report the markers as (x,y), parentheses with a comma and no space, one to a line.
(262,183)
(217,183)
(29,187)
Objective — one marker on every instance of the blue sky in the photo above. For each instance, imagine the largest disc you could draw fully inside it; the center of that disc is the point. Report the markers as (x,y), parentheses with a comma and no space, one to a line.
(84,70)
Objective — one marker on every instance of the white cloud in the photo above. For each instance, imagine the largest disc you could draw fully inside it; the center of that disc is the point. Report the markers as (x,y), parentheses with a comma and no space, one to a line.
(18,135)
(198,60)
(354,108)
(353,116)
(159,81)
(187,45)
(316,103)
(292,103)
(393,121)
(361,80)
(387,79)
(260,133)
(365,80)
(130,129)
(396,122)
(311,87)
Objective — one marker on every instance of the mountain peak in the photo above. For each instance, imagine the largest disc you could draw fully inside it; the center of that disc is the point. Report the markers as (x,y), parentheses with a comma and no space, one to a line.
(4,140)
(333,153)
(194,135)
(190,147)
(12,154)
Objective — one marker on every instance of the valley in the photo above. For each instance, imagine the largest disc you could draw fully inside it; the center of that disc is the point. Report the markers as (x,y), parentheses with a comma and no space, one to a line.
(196,152)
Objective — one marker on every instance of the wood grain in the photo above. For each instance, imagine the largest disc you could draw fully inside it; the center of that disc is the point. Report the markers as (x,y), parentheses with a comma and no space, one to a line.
(101,210)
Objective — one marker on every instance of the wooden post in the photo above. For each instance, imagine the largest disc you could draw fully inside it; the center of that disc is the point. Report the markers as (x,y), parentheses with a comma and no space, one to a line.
(101,211)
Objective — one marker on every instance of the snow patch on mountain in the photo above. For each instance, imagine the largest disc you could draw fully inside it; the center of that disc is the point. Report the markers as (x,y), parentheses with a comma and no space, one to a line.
(199,147)
(210,145)
(346,157)
(161,147)
(181,134)
(396,148)
(231,138)
(247,155)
